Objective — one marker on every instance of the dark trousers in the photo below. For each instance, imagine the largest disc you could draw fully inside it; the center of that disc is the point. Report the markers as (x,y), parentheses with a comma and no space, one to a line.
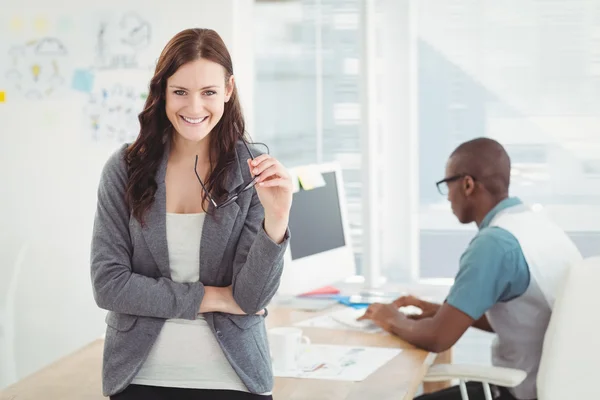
(474,389)
(142,392)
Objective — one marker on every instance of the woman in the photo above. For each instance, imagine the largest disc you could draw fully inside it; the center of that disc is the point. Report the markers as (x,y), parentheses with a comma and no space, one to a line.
(188,239)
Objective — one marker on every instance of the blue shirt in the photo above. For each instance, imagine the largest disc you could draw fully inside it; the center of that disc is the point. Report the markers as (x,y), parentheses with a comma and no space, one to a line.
(492,269)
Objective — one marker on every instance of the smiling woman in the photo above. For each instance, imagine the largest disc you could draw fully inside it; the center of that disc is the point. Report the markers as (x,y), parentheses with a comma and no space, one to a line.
(194,88)
(189,238)
(195,109)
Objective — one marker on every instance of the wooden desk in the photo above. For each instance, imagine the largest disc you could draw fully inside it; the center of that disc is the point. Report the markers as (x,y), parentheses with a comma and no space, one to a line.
(398,379)
(78,376)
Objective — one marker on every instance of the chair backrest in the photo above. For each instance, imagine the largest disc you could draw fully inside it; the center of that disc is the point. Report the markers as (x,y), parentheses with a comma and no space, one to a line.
(568,368)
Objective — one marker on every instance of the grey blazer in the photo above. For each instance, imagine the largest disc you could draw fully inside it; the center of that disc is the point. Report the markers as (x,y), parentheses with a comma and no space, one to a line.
(131,276)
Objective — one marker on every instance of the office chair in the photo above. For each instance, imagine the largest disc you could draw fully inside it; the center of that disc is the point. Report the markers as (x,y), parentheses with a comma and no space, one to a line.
(571,351)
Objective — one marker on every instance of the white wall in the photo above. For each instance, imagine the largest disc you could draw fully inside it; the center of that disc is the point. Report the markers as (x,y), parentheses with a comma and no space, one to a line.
(50,166)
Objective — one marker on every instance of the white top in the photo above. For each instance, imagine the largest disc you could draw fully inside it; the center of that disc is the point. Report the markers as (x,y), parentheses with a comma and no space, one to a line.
(186,353)
(520,324)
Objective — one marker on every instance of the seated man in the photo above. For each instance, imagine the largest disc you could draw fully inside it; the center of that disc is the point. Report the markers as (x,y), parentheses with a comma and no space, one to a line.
(507,279)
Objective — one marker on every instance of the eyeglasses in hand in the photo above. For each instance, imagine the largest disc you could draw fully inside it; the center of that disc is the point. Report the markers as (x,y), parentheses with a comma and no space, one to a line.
(232,197)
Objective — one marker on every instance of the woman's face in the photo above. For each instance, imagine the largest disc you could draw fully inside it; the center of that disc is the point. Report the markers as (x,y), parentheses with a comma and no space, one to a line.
(195,98)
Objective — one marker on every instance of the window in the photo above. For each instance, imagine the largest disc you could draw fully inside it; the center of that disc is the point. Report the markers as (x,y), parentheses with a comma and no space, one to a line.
(528,75)
(307,89)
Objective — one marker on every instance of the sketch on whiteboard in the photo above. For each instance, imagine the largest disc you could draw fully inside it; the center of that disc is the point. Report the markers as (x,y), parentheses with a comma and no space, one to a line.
(111,113)
(35,69)
(120,40)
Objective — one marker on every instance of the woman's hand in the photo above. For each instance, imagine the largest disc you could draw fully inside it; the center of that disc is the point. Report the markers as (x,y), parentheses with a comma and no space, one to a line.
(229,305)
(220,299)
(274,188)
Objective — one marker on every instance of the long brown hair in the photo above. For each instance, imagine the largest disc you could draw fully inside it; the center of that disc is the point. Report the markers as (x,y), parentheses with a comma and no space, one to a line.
(143,156)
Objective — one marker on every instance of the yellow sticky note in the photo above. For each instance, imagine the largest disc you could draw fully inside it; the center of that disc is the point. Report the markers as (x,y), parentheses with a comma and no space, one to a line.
(49,117)
(41,25)
(310,177)
(16,24)
(2,97)
(295,181)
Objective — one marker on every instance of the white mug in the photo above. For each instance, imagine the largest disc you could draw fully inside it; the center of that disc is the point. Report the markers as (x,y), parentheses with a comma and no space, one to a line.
(285,347)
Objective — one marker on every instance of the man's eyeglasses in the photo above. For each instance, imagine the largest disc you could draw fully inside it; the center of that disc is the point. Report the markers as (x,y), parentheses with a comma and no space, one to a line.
(232,196)
(442,186)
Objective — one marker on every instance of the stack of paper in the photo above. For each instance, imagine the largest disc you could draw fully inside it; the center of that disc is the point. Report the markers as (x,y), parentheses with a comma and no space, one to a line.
(325,291)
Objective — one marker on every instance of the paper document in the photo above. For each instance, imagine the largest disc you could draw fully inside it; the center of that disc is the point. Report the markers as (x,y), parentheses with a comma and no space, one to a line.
(342,319)
(340,363)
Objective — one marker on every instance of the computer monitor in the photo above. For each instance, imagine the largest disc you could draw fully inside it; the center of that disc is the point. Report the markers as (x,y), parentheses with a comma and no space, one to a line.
(320,252)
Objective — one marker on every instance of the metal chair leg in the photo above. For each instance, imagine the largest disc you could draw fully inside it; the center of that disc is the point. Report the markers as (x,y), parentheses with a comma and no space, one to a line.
(463,390)
(487,391)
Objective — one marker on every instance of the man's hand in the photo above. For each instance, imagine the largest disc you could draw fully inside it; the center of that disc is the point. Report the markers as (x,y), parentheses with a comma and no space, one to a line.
(428,309)
(383,315)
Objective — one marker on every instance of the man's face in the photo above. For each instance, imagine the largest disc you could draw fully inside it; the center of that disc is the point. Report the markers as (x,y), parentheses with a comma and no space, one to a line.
(459,193)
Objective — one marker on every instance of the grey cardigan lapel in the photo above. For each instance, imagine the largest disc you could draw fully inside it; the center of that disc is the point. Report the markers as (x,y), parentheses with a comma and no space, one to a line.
(155,220)
(217,225)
